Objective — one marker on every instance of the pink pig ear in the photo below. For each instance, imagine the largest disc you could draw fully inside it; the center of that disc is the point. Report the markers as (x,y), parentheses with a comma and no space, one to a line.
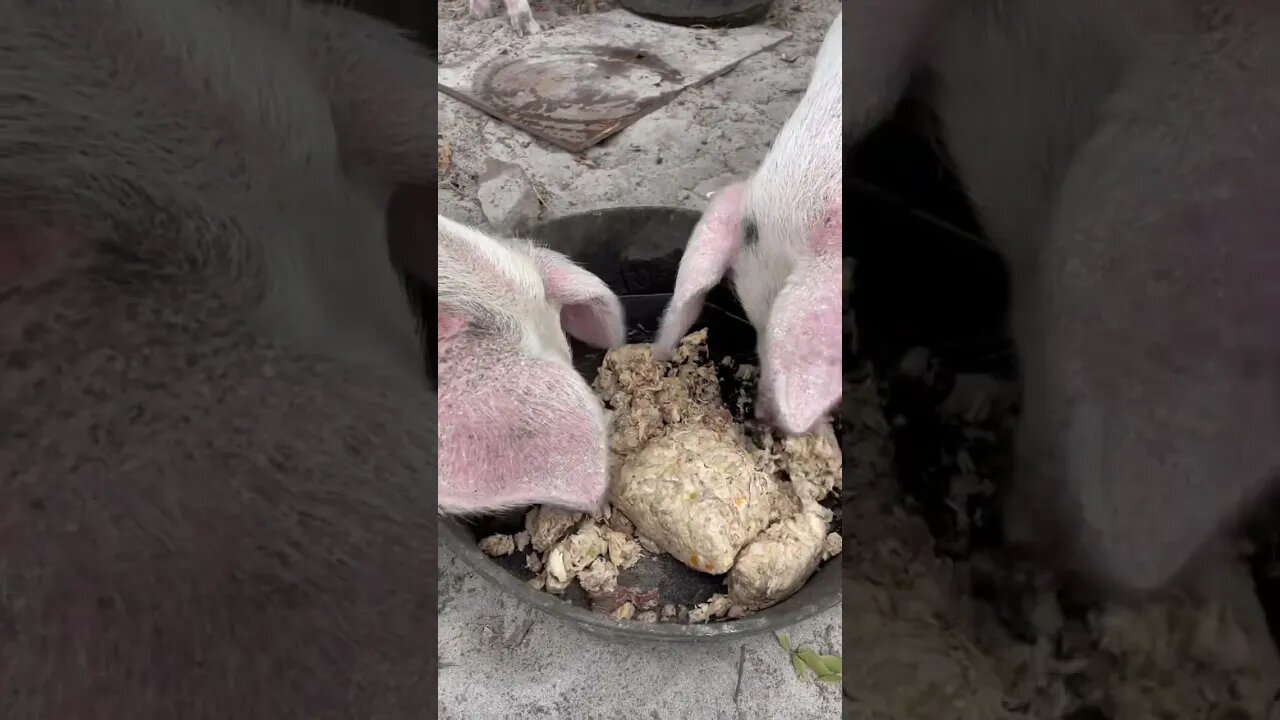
(802,354)
(589,310)
(515,432)
(712,246)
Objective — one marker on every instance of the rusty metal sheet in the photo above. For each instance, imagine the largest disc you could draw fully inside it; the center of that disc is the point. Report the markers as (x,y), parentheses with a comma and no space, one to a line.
(586,77)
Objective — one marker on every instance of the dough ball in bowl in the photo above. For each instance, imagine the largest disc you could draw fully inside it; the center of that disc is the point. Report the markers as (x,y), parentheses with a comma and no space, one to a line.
(698,494)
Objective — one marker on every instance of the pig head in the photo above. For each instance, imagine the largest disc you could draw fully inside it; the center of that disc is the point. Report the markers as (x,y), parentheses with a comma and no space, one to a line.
(1147,313)
(217,443)
(1117,157)
(518,425)
(779,236)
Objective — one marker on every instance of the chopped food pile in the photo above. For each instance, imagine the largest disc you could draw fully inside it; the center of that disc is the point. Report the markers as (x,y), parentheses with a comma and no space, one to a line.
(724,498)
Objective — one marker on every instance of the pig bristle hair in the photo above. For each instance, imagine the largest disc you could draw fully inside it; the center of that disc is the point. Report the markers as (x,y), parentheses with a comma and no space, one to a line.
(219,440)
(496,284)
(798,180)
(106,155)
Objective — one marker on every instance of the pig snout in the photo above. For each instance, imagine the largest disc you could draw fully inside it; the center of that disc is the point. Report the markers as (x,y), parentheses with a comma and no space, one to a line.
(802,353)
(518,425)
(781,234)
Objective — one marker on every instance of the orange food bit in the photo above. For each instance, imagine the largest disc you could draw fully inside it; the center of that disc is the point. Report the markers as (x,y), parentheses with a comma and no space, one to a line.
(693,559)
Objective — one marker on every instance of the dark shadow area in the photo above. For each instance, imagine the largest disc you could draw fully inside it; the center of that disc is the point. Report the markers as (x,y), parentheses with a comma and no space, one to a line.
(926,278)
(412,15)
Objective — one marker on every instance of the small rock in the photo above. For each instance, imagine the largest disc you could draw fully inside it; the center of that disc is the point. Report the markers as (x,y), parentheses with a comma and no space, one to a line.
(507,196)
(715,184)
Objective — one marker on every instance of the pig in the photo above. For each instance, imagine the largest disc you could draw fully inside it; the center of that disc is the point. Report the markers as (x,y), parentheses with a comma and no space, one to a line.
(518,14)
(778,235)
(217,439)
(518,425)
(1123,159)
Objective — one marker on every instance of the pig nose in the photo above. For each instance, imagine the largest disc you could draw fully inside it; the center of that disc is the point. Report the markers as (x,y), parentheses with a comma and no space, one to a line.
(763,414)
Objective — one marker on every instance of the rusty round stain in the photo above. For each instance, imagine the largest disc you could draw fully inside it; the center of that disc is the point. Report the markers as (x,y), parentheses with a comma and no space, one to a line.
(577,91)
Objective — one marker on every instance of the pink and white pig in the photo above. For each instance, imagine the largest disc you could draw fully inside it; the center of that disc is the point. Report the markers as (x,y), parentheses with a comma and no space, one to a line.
(778,235)
(518,424)
(1124,158)
(217,433)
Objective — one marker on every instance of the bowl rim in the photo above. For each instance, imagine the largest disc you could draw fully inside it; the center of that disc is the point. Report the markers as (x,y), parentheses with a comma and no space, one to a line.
(457,540)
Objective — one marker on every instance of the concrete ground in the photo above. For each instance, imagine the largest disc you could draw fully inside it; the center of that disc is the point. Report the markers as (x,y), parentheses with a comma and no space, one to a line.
(499,659)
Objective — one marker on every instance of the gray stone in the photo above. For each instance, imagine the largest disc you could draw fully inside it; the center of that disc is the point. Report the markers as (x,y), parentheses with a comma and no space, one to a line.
(503,660)
(507,196)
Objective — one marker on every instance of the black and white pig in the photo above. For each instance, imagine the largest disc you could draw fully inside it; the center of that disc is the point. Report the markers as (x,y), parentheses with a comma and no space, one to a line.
(778,235)
(518,424)
(1125,159)
(217,439)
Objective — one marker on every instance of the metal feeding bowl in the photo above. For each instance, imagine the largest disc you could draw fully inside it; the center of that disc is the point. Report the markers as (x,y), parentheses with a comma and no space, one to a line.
(636,251)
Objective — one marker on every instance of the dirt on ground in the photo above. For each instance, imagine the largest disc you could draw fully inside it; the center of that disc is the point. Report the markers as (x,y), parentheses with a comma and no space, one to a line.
(704,139)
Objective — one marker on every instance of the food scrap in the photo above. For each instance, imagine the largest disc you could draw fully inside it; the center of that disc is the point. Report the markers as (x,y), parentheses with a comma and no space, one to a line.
(727,499)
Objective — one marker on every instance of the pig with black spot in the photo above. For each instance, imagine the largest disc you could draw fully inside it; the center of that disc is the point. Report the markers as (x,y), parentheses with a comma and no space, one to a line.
(778,236)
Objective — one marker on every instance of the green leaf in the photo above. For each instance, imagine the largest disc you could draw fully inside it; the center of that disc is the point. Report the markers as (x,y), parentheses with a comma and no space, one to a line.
(784,641)
(832,662)
(833,678)
(799,666)
(813,660)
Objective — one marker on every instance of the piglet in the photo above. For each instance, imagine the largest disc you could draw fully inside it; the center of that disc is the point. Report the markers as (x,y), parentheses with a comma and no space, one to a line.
(217,440)
(518,425)
(518,13)
(778,235)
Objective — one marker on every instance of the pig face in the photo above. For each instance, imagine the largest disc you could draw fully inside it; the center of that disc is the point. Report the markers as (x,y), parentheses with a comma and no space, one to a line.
(518,425)
(779,237)
(792,295)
